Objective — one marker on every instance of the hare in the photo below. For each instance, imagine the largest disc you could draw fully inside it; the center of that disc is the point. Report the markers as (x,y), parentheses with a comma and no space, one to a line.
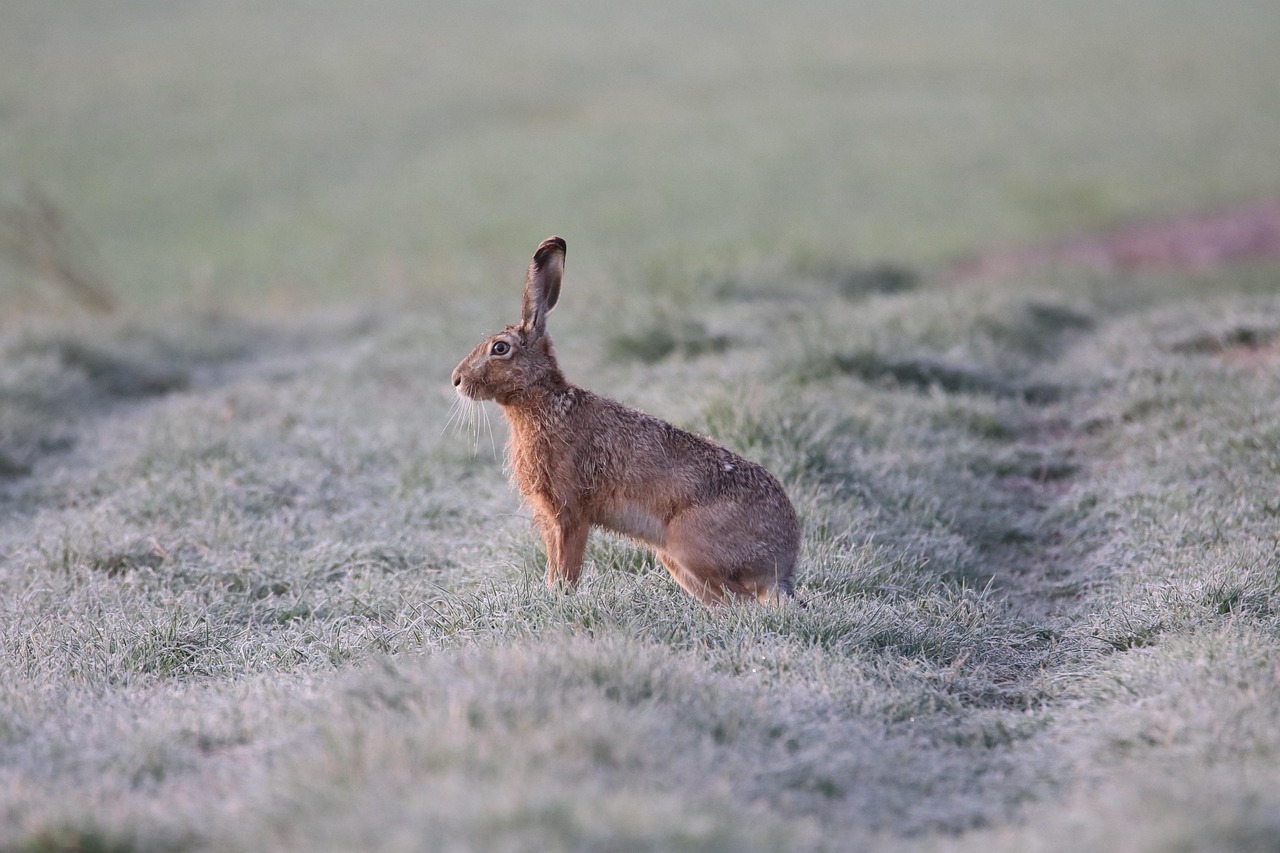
(721,525)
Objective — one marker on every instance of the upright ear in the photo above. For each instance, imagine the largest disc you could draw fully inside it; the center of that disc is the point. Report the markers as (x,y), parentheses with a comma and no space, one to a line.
(542,285)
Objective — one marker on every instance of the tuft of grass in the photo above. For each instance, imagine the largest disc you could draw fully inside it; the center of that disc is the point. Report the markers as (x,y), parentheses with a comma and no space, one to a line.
(686,338)
(881,278)
(75,841)
(925,373)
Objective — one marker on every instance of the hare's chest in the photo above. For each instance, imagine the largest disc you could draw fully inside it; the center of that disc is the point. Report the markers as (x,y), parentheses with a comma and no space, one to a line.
(545,478)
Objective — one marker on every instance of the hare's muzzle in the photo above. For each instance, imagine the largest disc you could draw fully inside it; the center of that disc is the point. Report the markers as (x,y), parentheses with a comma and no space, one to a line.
(458,371)
(464,386)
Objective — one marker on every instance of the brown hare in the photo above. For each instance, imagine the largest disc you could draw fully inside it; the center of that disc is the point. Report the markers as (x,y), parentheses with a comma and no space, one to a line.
(722,525)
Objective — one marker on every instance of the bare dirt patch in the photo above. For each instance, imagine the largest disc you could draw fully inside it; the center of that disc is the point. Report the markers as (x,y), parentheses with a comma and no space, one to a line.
(1195,242)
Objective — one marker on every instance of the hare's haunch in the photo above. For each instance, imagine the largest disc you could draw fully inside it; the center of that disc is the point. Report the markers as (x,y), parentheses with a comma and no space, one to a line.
(721,524)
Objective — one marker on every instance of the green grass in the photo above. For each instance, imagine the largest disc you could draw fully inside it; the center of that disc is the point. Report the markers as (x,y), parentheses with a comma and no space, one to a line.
(217,151)
(254,593)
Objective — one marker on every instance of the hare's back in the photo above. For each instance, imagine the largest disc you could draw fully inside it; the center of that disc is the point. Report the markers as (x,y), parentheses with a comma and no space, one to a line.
(655,457)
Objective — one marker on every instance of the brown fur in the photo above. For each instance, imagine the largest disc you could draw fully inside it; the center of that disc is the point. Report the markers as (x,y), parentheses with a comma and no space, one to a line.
(721,524)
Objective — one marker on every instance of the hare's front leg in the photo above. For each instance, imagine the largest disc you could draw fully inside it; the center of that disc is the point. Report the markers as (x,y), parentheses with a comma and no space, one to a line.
(566,543)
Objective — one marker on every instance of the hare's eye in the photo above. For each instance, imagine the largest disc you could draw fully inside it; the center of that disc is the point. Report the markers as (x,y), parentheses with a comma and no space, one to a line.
(500,348)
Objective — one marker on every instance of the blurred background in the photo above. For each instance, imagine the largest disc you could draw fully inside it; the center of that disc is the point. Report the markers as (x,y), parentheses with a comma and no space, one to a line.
(283,154)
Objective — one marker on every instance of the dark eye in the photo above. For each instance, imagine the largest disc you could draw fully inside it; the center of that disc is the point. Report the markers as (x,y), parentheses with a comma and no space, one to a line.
(500,348)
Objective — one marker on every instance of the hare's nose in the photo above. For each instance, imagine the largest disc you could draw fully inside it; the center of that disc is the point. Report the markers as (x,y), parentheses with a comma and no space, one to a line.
(457,380)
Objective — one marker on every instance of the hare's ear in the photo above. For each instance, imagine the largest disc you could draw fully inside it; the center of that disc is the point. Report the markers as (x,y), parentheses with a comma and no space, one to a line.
(542,284)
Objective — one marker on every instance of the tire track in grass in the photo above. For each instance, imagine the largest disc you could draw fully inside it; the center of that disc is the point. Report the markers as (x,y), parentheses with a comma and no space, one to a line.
(1197,241)
(75,399)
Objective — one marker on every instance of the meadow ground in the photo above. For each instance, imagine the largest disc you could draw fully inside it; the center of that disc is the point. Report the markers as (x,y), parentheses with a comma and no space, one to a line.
(254,595)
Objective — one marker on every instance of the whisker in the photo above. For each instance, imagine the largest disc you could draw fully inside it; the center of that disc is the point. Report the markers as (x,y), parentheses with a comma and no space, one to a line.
(488,425)
(467,415)
(475,410)
(455,411)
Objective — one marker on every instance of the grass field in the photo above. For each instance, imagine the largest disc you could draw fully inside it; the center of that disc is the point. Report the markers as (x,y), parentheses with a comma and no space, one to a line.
(255,596)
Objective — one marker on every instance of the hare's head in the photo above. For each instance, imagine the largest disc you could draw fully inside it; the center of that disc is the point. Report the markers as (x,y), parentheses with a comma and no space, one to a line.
(520,358)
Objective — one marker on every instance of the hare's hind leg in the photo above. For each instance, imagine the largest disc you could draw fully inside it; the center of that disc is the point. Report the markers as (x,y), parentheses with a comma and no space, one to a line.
(714,594)
(719,548)
(694,585)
